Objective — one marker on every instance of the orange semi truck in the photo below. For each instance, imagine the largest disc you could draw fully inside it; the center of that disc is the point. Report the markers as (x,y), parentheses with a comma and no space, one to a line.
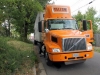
(59,37)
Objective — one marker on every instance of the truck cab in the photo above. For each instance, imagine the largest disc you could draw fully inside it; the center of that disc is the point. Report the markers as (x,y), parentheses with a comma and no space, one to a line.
(60,38)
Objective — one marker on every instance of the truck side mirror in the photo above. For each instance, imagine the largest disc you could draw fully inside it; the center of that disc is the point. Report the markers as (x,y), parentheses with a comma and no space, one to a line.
(85,25)
(40,26)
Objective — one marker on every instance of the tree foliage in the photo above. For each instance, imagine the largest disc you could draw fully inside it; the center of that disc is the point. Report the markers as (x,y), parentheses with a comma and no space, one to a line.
(79,16)
(21,13)
(89,15)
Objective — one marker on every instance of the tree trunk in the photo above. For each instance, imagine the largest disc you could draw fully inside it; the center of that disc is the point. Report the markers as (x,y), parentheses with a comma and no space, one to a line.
(25,30)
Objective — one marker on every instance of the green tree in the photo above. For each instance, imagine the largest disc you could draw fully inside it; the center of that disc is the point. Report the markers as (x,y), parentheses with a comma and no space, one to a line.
(43,2)
(22,14)
(2,28)
(79,16)
(90,15)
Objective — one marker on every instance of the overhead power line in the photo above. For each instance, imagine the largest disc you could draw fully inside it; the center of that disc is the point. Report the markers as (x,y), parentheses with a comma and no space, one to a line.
(76,2)
(84,5)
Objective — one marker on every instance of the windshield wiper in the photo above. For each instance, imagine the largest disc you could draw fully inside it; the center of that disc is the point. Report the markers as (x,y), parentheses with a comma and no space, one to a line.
(56,29)
(61,28)
(68,28)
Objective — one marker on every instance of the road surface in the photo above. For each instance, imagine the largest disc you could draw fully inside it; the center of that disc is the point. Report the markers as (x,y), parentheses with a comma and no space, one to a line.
(90,67)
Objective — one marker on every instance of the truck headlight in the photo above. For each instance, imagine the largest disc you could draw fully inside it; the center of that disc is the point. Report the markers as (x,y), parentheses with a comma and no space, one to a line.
(55,50)
(89,47)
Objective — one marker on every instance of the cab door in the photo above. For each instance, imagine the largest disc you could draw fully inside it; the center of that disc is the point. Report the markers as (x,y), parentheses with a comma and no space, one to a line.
(88,30)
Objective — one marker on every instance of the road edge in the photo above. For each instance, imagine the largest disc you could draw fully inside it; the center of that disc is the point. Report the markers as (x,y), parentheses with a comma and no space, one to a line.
(42,69)
(34,69)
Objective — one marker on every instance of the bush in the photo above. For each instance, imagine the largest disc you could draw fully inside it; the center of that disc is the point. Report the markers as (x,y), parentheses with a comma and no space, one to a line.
(97,32)
(14,55)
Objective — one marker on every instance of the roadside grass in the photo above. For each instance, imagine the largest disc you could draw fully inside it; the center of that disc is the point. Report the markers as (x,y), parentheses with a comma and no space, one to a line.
(16,57)
(97,49)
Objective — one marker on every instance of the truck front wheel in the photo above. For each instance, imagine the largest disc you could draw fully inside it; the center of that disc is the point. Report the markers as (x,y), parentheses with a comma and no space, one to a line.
(48,61)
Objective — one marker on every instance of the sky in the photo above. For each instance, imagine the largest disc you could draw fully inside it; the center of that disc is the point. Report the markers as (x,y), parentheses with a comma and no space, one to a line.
(76,4)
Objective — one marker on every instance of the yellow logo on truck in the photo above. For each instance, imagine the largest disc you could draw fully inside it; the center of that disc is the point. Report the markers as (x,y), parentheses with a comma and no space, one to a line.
(59,10)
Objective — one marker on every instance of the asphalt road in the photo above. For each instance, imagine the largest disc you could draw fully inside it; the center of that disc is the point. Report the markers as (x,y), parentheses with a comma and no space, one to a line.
(90,67)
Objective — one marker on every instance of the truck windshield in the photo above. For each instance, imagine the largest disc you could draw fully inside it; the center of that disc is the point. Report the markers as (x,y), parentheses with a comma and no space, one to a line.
(55,24)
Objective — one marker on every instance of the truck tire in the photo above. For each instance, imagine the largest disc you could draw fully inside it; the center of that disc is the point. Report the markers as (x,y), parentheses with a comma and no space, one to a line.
(40,48)
(35,42)
(48,61)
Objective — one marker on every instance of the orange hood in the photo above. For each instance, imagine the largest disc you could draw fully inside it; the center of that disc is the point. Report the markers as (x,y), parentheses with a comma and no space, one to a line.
(66,33)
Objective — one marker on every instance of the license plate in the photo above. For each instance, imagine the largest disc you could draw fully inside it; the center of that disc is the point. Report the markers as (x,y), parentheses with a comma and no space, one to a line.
(76,55)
